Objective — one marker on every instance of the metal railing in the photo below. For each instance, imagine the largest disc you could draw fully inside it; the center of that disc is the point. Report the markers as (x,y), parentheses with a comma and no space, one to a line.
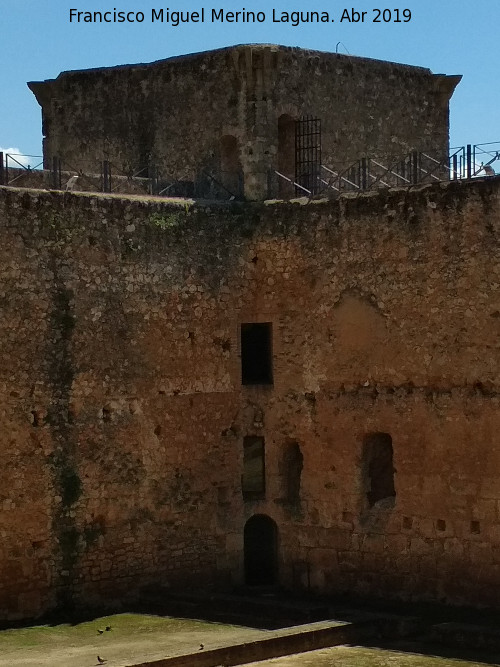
(368,173)
(417,167)
(17,162)
(105,176)
(475,160)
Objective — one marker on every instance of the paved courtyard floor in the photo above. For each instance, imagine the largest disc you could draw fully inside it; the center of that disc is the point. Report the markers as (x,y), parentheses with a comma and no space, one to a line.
(127,639)
(132,638)
(355,656)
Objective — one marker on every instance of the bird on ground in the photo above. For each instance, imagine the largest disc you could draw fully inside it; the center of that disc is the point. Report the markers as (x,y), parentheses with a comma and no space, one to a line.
(100,631)
(202,646)
(100,660)
(108,628)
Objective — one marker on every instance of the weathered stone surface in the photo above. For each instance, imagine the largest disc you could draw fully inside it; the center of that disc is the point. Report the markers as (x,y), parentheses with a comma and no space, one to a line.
(123,412)
(229,114)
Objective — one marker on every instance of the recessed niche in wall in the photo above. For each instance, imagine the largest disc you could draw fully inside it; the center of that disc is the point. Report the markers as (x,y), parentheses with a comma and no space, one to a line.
(378,468)
(407,523)
(253,479)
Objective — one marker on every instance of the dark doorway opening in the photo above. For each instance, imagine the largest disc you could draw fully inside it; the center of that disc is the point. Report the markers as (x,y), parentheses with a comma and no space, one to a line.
(308,155)
(261,551)
(256,353)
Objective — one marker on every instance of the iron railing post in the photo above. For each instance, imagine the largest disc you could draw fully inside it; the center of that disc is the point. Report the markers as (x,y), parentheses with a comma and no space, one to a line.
(414,167)
(2,170)
(468,173)
(153,179)
(363,173)
(56,173)
(106,176)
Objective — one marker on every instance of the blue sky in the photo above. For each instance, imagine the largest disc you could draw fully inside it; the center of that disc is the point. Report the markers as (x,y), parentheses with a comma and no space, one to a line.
(451,37)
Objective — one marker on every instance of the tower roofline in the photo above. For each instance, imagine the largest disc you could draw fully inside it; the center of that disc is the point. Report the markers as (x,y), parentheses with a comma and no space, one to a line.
(298,51)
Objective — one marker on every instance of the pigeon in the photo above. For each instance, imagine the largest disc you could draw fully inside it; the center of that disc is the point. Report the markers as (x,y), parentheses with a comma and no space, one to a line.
(108,628)
(100,660)
(202,646)
(100,631)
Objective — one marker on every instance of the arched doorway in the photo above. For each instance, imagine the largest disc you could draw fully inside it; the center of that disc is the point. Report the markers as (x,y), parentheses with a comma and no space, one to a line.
(260,551)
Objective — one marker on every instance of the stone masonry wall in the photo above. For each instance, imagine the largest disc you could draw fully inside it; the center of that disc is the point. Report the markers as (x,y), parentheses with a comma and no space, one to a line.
(123,413)
(176,112)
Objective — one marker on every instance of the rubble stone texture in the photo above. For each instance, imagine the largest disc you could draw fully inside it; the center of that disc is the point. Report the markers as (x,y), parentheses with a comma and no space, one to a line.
(229,114)
(123,413)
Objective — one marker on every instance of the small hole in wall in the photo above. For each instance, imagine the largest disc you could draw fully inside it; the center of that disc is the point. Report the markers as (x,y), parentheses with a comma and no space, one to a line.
(36,418)
(106,414)
(191,335)
(407,522)
(134,407)
(255,259)
(92,240)
(441,525)
(157,430)
(475,527)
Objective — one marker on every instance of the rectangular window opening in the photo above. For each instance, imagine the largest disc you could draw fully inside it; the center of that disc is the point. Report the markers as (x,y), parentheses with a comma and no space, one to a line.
(253,480)
(256,353)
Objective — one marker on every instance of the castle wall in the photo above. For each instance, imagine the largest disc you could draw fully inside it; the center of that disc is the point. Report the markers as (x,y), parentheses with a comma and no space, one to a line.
(176,113)
(123,411)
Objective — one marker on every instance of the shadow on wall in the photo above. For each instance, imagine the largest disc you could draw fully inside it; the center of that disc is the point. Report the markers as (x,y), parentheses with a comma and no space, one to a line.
(286,155)
(231,172)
